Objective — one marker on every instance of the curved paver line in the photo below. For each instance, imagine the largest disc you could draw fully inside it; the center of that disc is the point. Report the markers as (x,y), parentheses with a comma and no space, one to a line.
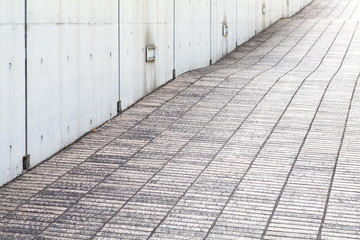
(257,154)
(302,144)
(263,144)
(336,162)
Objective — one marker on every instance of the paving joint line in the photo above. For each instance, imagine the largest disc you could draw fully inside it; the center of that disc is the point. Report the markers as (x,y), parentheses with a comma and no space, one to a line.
(333,10)
(352,14)
(324,7)
(319,1)
(260,150)
(336,162)
(304,140)
(343,10)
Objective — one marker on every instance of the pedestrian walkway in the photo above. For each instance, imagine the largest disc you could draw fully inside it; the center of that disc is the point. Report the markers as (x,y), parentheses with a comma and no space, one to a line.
(265,144)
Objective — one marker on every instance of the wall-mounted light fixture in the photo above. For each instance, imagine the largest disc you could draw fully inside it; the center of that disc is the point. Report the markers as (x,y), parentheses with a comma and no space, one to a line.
(264,8)
(150,53)
(225,30)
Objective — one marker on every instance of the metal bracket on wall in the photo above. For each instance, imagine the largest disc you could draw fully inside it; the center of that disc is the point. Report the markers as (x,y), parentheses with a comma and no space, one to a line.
(264,8)
(119,109)
(26,162)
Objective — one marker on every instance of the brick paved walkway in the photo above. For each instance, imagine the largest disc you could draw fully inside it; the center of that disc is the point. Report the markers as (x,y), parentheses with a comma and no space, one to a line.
(263,145)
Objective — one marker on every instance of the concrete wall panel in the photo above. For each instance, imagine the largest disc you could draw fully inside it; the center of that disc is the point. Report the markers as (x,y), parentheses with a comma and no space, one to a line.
(291,7)
(223,12)
(73,71)
(12,89)
(275,10)
(192,34)
(246,20)
(263,14)
(143,23)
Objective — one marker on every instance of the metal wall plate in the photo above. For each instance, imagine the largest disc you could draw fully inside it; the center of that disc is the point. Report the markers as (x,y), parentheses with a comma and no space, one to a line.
(225,30)
(264,8)
(150,53)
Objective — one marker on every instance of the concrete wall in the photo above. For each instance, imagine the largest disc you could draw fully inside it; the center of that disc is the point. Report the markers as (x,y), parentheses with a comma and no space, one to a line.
(83,56)
(143,23)
(12,89)
(72,71)
(192,34)
(246,20)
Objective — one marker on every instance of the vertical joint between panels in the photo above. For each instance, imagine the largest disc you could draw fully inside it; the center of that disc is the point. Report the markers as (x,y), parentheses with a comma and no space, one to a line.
(118,104)
(174,39)
(26,73)
(118,44)
(210,45)
(236,23)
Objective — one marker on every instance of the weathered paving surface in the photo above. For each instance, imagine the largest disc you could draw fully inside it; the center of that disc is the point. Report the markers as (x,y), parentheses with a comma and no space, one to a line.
(263,145)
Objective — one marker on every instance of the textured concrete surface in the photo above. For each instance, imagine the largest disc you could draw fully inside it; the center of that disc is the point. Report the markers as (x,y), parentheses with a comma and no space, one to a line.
(263,145)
